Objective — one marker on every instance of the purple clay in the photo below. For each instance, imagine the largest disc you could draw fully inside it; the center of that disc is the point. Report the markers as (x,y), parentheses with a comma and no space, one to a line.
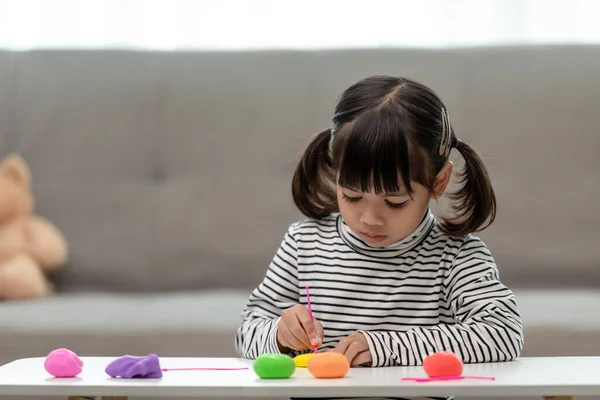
(135,367)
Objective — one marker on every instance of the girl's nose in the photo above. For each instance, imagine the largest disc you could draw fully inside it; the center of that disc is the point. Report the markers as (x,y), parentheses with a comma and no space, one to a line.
(370,217)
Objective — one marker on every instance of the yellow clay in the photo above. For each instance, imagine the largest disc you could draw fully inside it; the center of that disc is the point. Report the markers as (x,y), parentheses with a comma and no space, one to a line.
(302,359)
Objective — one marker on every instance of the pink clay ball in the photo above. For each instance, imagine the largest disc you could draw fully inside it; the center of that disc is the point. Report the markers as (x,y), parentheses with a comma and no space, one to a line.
(63,363)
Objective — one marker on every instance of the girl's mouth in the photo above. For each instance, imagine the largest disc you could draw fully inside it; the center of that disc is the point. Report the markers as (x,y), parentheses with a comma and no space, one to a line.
(372,238)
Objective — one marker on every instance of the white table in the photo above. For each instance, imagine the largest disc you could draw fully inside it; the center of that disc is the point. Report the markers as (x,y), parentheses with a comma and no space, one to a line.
(526,377)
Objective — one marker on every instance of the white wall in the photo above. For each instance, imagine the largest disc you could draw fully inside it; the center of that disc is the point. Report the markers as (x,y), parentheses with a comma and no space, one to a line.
(256,24)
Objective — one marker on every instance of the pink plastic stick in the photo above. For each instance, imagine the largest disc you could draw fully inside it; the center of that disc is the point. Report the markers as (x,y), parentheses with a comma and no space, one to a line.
(449,378)
(202,369)
(310,312)
(445,378)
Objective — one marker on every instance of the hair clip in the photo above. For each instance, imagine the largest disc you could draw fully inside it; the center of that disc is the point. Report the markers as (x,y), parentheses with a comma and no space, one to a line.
(446,141)
(331,136)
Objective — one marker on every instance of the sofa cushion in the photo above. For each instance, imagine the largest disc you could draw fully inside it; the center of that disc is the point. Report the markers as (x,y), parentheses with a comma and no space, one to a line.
(125,313)
(79,321)
(560,308)
(184,324)
(557,323)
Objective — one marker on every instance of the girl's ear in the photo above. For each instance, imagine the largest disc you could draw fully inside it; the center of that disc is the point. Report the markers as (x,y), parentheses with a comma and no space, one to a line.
(442,180)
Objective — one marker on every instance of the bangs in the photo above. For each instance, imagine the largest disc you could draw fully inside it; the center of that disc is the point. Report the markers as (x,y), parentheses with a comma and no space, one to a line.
(374,153)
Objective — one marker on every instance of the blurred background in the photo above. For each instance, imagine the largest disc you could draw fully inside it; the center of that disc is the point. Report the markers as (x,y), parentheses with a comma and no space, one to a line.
(161,136)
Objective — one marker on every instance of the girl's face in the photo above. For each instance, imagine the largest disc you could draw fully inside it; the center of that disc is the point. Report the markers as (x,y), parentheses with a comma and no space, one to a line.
(383,219)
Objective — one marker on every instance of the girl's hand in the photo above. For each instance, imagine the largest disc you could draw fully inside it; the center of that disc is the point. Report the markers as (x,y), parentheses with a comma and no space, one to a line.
(297,331)
(356,349)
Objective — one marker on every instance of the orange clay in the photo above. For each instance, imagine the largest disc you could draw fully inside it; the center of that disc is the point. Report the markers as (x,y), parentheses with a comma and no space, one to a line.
(328,365)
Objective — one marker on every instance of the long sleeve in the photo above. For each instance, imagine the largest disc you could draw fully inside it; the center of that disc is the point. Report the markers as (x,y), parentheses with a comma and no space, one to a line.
(486,324)
(257,333)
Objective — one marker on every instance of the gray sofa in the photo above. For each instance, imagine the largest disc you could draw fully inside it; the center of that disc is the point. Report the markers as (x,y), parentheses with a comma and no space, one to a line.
(169,174)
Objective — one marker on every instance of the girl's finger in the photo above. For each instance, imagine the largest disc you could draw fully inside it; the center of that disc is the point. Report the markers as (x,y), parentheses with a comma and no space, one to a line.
(362,359)
(292,341)
(343,345)
(353,350)
(309,327)
(320,332)
(297,331)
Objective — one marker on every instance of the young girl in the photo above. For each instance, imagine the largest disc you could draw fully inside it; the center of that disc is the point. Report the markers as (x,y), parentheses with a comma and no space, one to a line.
(389,282)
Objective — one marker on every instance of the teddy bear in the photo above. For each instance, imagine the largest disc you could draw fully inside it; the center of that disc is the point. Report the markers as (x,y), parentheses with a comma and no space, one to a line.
(31,247)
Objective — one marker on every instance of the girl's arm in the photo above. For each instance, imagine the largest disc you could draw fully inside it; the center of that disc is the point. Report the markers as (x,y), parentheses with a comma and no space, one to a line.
(487,325)
(257,333)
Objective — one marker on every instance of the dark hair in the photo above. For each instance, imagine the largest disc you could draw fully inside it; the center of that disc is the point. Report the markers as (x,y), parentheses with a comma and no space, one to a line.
(385,130)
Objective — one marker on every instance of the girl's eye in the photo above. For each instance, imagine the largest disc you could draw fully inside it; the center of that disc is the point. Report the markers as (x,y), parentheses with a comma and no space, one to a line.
(350,199)
(396,205)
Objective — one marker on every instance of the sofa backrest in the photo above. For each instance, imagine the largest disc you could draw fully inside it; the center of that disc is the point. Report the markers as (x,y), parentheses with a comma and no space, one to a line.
(172,170)
(5,95)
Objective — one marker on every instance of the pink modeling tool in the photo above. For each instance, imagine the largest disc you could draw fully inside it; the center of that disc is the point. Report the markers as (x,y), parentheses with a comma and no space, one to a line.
(310,312)
(449,378)
(203,369)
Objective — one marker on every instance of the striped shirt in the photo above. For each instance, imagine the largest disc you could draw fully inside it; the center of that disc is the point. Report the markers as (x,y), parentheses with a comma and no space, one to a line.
(428,292)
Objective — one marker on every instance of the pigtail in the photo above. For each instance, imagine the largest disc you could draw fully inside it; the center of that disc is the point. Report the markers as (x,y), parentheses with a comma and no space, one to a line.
(313,182)
(475,201)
